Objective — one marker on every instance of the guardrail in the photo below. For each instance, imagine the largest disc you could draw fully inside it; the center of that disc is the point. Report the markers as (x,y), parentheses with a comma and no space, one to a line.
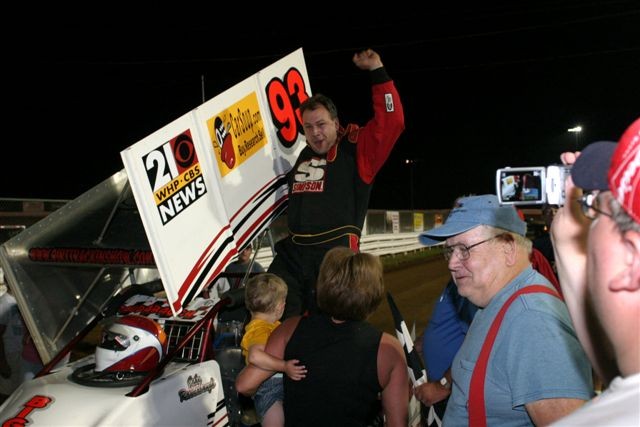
(378,244)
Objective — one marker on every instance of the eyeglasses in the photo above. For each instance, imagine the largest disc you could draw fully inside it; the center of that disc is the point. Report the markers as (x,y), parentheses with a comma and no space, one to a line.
(462,250)
(590,204)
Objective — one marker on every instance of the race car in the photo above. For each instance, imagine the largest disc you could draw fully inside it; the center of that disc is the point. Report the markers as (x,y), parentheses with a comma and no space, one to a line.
(76,277)
(146,370)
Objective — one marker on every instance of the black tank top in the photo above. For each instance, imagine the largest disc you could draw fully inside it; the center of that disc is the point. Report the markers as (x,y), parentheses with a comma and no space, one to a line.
(341,387)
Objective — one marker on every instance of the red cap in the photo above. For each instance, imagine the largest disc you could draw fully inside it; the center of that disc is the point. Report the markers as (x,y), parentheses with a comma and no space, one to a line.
(624,171)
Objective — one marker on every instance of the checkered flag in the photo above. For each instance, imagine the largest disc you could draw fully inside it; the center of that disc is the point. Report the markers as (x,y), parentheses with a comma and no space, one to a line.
(417,372)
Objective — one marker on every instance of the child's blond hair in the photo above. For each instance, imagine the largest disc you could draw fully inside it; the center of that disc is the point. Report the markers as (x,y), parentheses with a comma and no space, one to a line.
(264,292)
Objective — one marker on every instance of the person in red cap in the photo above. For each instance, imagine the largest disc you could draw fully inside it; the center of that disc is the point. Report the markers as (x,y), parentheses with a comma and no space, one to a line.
(597,246)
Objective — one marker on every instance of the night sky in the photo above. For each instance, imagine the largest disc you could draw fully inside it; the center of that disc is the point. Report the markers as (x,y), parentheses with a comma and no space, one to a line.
(483,86)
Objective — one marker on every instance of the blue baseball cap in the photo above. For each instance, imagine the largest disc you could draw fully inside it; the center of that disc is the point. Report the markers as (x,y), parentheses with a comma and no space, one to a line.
(471,212)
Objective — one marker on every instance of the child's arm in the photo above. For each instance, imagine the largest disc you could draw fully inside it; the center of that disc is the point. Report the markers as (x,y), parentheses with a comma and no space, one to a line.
(263,360)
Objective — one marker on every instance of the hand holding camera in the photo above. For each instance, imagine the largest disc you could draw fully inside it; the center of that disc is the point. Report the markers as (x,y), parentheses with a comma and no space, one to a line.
(532,185)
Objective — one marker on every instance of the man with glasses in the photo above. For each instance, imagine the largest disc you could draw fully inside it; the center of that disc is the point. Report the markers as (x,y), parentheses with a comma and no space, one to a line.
(596,238)
(520,362)
(445,332)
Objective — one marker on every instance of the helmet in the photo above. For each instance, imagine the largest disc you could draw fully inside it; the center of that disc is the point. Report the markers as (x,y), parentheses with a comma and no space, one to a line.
(131,343)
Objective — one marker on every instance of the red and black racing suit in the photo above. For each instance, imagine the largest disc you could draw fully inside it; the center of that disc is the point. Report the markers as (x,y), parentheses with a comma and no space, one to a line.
(329,194)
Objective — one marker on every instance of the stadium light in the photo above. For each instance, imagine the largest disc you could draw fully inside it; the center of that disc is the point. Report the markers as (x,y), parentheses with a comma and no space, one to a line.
(576,130)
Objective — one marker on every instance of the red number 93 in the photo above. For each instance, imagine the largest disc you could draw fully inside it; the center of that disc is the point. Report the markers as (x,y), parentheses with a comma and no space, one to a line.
(285,98)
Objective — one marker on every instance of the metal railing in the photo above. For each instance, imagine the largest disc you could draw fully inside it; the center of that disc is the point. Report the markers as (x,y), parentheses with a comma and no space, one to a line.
(378,244)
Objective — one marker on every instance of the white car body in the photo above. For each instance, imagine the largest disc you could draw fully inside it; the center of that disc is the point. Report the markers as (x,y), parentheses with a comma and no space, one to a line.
(81,265)
(184,395)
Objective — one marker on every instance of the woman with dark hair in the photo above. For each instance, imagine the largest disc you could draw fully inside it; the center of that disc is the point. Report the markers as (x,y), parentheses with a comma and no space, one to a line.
(352,367)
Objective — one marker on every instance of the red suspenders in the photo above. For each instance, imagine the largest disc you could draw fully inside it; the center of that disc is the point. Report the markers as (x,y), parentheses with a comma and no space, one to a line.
(477,412)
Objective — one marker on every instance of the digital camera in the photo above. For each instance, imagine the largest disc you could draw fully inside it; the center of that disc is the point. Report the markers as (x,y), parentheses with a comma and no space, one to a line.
(535,185)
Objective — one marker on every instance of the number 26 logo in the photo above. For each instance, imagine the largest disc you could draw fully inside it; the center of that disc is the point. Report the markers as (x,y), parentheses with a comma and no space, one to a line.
(284,99)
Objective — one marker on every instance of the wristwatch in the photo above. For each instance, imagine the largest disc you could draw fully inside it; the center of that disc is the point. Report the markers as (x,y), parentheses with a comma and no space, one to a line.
(445,383)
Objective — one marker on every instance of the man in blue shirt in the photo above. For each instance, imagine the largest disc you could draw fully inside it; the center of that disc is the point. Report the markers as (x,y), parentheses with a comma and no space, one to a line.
(441,340)
(536,371)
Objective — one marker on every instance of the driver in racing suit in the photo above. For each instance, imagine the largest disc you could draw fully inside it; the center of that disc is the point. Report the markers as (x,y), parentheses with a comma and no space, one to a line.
(330,183)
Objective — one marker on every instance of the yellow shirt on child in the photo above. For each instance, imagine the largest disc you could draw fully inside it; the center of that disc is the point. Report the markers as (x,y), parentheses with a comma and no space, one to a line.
(257,331)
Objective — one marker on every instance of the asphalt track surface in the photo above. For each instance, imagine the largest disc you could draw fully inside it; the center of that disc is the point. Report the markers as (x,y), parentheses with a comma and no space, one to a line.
(415,289)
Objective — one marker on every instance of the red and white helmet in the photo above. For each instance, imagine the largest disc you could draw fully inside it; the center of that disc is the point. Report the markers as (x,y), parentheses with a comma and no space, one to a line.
(131,343)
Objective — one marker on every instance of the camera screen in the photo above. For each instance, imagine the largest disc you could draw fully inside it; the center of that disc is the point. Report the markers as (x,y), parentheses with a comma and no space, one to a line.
(521,186)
